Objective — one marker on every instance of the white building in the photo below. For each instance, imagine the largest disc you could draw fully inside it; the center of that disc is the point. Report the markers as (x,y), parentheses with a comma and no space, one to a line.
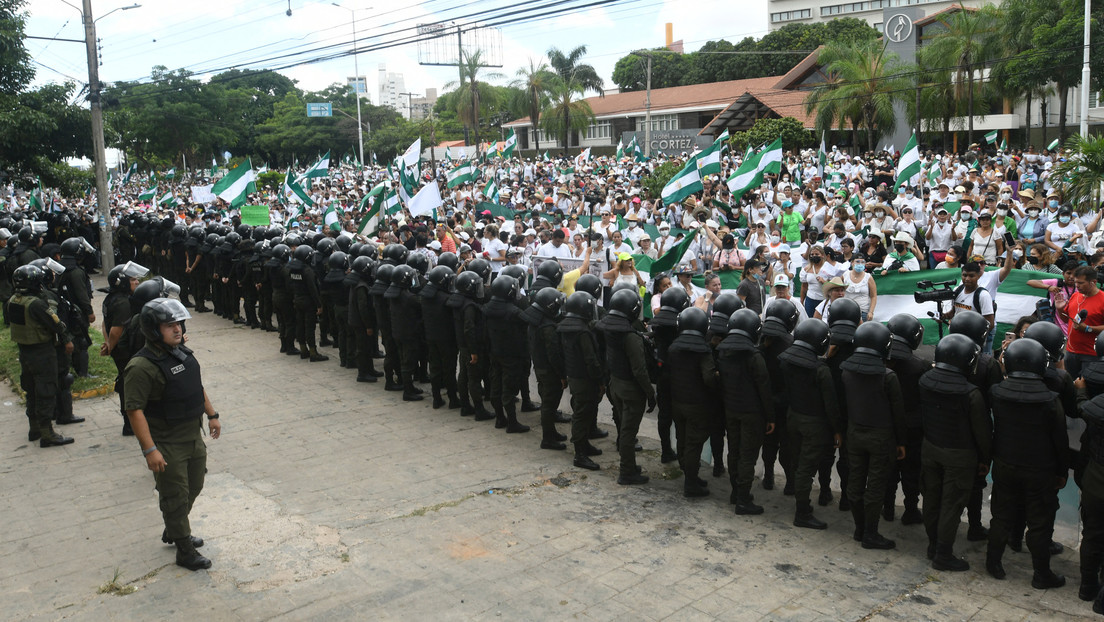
(391,84)
(359,85)
(782,12)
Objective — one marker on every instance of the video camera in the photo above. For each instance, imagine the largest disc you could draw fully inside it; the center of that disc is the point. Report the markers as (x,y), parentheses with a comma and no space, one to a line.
(939,292)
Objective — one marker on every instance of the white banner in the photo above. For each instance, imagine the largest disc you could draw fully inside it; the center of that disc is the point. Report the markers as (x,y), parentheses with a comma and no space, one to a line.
(203,194)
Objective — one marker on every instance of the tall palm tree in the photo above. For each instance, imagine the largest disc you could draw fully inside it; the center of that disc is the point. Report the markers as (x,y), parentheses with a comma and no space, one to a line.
(567,111)
(868,79)
(472,92)
(535,81)
(971,39)
(573,78)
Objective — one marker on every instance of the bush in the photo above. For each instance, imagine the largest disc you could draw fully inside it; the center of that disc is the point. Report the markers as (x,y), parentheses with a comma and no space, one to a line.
(653,184)
(765,131)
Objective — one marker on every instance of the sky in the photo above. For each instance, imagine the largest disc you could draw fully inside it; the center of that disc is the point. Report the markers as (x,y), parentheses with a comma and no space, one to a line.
(204,35)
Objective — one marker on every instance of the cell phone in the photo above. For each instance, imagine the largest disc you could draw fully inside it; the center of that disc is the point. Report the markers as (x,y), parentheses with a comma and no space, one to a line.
(1009,241)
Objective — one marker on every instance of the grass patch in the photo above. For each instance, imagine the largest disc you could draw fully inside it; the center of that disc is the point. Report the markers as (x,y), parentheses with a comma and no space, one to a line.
(114,587)
(102,367)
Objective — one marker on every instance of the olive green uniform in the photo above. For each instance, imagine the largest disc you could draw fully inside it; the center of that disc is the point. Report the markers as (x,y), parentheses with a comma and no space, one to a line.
(36,329)
(630,387)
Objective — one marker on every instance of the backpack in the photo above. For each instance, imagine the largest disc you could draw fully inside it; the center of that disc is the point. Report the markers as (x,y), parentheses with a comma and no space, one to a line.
(977,297)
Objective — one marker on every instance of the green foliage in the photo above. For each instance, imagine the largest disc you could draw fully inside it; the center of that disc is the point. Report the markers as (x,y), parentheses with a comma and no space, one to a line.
(1081,176)
(16,71)
(567,110)
(271,179)
(39,128)
(712,63)
(765,131)
(653,184)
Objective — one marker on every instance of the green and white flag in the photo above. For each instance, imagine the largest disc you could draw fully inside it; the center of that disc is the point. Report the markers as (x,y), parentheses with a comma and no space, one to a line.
(933,174)
(909,164)
(822,156)
(407,185)
(292,192)
(237,184)
(672,257)
(448,156)
(546,158)
(263,169)
(370,222)
(132,170)
(490,191)
(991,137)
(567,173)
(35,201)
(331,218)
(709,161)
(391,204)
(463,174)
(771,162)
(751,172)
(638,153)
(168,200)
(321,168)
(685,183)
(723,139)
(1004,144)
(148,195)
(1054,144)
(171,173)
(214,167)
(510,144)
(620,149)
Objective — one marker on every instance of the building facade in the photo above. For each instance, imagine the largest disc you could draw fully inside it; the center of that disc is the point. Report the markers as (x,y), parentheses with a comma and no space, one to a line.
(422,107)
(359,85)
(391,84)
(783,12)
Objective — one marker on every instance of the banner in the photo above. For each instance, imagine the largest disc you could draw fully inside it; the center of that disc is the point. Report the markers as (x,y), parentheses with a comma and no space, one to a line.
(255,215)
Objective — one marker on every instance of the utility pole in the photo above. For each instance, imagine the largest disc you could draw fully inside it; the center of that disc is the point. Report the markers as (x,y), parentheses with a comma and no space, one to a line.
(357,78)
(648,112)
(1086,74)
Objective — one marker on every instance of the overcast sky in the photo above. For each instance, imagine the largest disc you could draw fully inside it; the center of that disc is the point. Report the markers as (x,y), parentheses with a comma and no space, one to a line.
(213,34)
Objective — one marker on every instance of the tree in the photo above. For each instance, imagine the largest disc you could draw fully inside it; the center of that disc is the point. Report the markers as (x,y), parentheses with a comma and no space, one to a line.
(866,76)
(970,39)
(535,82)
(473,94)
(1081,176)
(668,69)
(15,63)
(765,131)
(572,78)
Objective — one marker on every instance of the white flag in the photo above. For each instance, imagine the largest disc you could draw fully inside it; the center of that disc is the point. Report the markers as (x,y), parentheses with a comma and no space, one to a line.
(427,200)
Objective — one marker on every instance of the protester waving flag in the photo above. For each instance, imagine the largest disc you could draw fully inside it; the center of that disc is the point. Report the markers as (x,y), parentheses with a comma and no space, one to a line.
(148,195)
(132,170)
(620,149)
(671,258)
(168,200)
(909,164)
(490,191)
(293,193)
(171,173)
(685,183)
(709,161)
(331,219)
(1054,144)
(321,168)
(510,144)
(463,174)
(991,137)
(237,184)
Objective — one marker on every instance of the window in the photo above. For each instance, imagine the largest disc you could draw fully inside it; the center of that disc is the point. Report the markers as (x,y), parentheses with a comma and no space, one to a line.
(541,136)
(1094,99)
(856,7)
(660,122)
(789,16)
(599,129)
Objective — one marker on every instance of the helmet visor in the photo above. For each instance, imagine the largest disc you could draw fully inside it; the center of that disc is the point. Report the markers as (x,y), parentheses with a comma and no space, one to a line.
(54,266)
(135,271)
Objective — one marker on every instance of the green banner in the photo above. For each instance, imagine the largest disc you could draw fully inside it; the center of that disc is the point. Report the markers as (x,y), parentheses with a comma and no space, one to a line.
(255,215)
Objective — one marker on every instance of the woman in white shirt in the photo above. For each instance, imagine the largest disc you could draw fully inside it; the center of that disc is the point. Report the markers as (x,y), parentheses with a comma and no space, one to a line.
(1065,230)
(985,241)
(617,244)
(861,288)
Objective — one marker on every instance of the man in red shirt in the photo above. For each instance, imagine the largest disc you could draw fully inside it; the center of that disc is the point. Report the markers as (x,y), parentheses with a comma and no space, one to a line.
(1080,348)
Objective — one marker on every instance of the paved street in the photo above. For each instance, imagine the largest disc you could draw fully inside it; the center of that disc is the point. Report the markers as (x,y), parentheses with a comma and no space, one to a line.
(328,499)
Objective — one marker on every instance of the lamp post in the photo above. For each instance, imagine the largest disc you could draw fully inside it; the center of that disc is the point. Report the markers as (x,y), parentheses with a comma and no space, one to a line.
(356,72)
(99,149)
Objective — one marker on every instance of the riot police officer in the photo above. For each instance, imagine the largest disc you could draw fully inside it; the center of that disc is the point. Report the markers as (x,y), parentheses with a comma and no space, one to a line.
(544,348)
(121,281)
(584,372)
(382,308)
(908,334)
(362,319)
(694,378)
(440,335)
(781,318)
(76,288)
(958,437)
(664,330)
(467,317)
(59,306)
(509,359)
(630,383)
(333,292)
(306,301)
(281,298)
(842,323)
(406,326)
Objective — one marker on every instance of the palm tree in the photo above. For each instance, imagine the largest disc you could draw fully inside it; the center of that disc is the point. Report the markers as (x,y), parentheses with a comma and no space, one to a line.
(1082,175)
(573,79)
(535,82)
(867,79)
(567,111)
(472,93)
(971,39)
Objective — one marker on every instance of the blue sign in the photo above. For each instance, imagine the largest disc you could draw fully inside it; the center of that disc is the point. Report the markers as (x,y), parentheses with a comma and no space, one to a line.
(320,110)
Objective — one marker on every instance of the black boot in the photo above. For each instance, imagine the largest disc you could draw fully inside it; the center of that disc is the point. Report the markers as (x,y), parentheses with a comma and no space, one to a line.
(392,384)
(768,477)
(553,443)
(454,400)
(304,353)
(804,517)
(196,542)
(825,496)
(693,486)
(466,409)
(500,415)
(1044,578)
(438,401)
(911,515)
(745,502)
(188,557)
(993,564)
(528,406)
(481,413)
(410,392)
(582,460)
(315,357)
(512,425)
(859,517)
(945,559)
(1090,585)
(871,539)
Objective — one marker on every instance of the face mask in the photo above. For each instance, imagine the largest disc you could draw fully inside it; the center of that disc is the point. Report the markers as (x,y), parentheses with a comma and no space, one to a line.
(759,277)
(866,214)
(1053,203)
(1002,213)
(1016,254)
(1032,259)
(785,179)
(816,259)
(860,267)
(775,239)
(1064,219)
(632,224)
(1032,213)
(900,248)
(879,214)
(1006,195)
(908,195)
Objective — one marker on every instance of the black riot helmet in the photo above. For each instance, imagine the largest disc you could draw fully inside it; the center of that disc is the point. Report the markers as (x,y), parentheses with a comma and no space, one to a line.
(157,312)
(450,260)
(404,277)
(73,247)
(28,279)
(747,323)
(505,287)
(781,318)
(957,353)
(50,270)
(118,279)
(395,254)
(550,301)
(873,338)
(292,239)
(337,261)
(259,233)
(354,250)
(302,253)
(281,252)
(589,284)
(468,284)
(1049,336)
(370,250)
(325,246)
(179,232)
(581,305)
(692,321)
(843,318)
(1025,358)
(551,270)
(344,243)
(364,266)
(674,299)
(972,324)
(906,329)
(211,239)
(813,335)
(482,267)
(419,262)
(233,238)
(625,303)
(244,230)
(150,290)
(383,273)
(516,271)
(27,235)
(440,276)
(727,303)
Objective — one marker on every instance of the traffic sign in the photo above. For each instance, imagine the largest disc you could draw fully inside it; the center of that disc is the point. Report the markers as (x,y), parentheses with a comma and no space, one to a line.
(320,110)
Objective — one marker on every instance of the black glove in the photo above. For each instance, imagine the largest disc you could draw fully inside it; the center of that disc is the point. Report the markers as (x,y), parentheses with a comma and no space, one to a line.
(651,403)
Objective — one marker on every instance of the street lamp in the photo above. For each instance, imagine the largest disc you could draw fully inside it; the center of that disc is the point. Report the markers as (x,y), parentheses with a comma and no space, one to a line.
(356,73)
(107,249)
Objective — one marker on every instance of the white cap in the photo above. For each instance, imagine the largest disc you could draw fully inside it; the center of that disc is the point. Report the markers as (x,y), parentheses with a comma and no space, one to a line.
(781,281)
(434,245)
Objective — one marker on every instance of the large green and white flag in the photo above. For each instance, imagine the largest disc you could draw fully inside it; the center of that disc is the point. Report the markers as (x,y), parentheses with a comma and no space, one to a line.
(321,168)
(991,137)
(463,174)
(620,149)
(391,204)
(672,257)
(331,218)
(755,165)
(1054,144)
(407,185)
(510,144)
(709,161)
(490,191)
(171,173)
(237,184)
(909,165)
(292,192)
(148,195)
(132,170)
(685,183)
(373,211)
(168,200)
(771,162)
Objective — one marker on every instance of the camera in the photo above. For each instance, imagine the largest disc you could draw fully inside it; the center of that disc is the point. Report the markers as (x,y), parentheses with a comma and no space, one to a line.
(939,292)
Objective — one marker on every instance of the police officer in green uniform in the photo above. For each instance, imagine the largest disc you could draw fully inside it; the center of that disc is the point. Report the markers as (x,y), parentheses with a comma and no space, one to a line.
(875,429)
(630,385)
(694,379)
(958,439)
(584,373)
(166,402)
(813,411)
(543,316)
(59,306)
(36,330)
